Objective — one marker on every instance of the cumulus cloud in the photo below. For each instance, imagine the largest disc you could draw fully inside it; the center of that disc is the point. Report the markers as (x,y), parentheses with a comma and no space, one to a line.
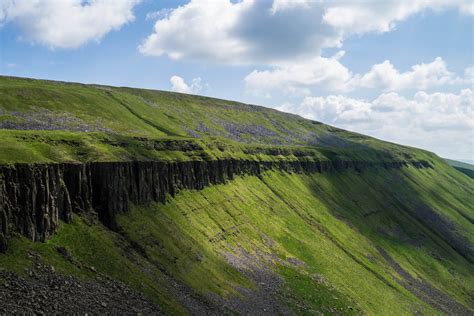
(267,32)
(331,74)
(422,76)
(442,122)
(198,29)
(299,77)
(66,23)
(243,32)
(178,84)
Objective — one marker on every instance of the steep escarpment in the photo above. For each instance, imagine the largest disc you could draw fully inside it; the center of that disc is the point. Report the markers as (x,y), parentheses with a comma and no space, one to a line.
(35,197)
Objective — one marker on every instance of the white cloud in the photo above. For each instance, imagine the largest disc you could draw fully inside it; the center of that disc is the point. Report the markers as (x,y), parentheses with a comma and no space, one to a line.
(351,17)
(66,23)
(300,76)
(271,32)
(332,75)
(467,8)
(337,108)
(421,76)
(282,5)
(443,122)
(160,14)
(285,38)
(243,32)
(198,29)
(179,85)
(359,17)
(469,76)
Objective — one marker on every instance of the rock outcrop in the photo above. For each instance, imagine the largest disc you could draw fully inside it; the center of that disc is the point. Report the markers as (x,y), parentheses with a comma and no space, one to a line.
(34,198)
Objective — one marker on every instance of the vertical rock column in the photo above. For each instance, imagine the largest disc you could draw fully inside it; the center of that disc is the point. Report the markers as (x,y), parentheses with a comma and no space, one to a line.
(33,198)
(3,215)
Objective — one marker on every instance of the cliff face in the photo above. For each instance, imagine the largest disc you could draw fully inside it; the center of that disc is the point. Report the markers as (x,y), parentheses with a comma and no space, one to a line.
(35,197)
(32,201)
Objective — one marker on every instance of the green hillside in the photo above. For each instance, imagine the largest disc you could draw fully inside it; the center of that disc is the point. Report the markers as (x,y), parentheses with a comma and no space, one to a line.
(376,241)
(46,121)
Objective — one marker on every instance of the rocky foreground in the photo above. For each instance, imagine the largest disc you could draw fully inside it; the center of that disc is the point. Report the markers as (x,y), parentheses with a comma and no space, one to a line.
(44,291)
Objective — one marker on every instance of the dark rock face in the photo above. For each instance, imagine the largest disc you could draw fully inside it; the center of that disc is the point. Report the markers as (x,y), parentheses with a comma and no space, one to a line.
(35,197)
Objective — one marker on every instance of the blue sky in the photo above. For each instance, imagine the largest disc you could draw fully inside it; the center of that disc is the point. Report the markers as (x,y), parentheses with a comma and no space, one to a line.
(397,70)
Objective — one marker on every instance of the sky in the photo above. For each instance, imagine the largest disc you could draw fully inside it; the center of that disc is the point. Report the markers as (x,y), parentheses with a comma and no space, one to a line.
(401,71)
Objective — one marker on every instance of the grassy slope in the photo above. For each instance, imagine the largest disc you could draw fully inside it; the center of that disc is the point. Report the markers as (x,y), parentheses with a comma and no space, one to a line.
(136,112)
(87,122)
(319,219)
(333,222)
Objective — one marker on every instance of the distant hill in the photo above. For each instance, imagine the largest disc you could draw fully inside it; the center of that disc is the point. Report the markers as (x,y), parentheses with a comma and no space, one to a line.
(466,168)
